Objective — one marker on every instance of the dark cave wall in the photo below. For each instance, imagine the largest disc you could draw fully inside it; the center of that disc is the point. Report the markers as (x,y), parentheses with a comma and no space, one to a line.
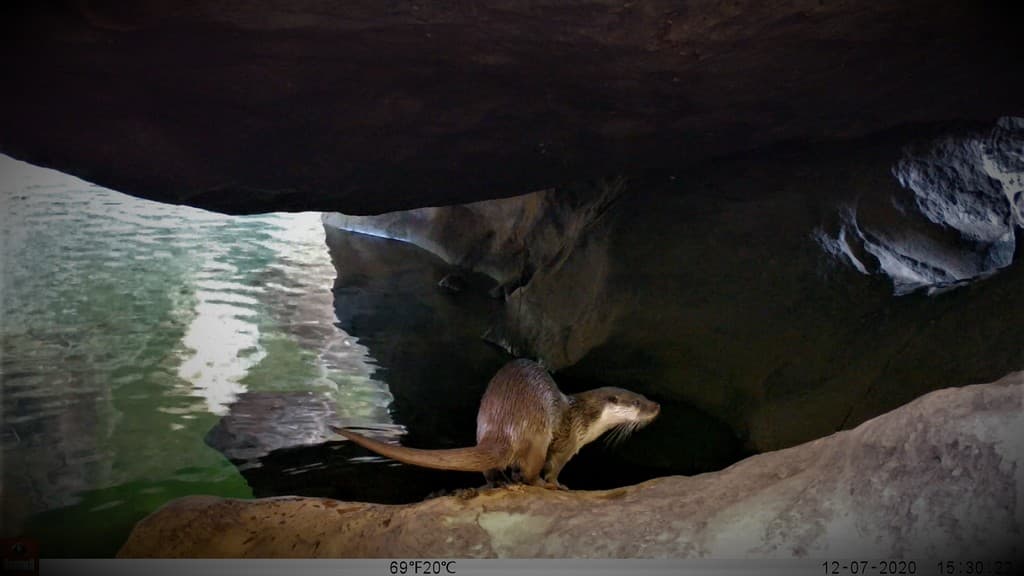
(713,288)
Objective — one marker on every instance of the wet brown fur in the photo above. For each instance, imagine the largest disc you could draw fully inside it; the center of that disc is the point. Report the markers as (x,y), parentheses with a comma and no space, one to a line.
(527,429)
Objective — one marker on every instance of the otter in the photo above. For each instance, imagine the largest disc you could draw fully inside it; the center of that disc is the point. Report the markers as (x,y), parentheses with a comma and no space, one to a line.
(527,429)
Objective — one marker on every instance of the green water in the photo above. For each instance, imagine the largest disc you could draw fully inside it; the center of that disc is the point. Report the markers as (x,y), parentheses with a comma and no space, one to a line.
(128,330)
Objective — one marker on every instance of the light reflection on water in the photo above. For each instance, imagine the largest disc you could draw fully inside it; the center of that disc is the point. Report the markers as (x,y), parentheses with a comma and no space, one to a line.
(130,327)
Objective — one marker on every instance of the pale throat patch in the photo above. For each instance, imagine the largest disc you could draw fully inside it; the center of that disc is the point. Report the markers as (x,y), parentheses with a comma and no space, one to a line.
(611,416)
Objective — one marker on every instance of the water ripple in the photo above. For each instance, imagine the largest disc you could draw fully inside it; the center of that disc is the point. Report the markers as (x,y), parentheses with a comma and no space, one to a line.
(129,328)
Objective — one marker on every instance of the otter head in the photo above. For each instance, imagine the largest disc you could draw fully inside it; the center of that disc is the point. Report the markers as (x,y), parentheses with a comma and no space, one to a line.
(620,411)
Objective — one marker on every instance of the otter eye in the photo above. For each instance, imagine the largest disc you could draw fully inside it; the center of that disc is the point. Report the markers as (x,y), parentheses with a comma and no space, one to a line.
(613,400)
(636,403)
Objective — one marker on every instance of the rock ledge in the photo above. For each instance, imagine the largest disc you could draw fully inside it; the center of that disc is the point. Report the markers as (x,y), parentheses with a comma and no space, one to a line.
(941,477)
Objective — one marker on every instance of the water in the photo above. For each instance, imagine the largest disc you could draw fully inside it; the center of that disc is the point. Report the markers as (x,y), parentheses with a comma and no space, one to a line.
(128,330)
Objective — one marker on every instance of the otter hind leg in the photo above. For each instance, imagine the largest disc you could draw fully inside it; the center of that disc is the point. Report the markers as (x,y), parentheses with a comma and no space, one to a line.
(531,464)
(492,477)
(497,477)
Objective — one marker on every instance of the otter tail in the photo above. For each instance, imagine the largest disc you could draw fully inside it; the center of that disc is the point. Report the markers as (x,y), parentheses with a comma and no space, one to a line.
(474,459)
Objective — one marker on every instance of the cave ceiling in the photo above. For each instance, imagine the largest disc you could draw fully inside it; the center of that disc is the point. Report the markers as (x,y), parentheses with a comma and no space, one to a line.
(371,106)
